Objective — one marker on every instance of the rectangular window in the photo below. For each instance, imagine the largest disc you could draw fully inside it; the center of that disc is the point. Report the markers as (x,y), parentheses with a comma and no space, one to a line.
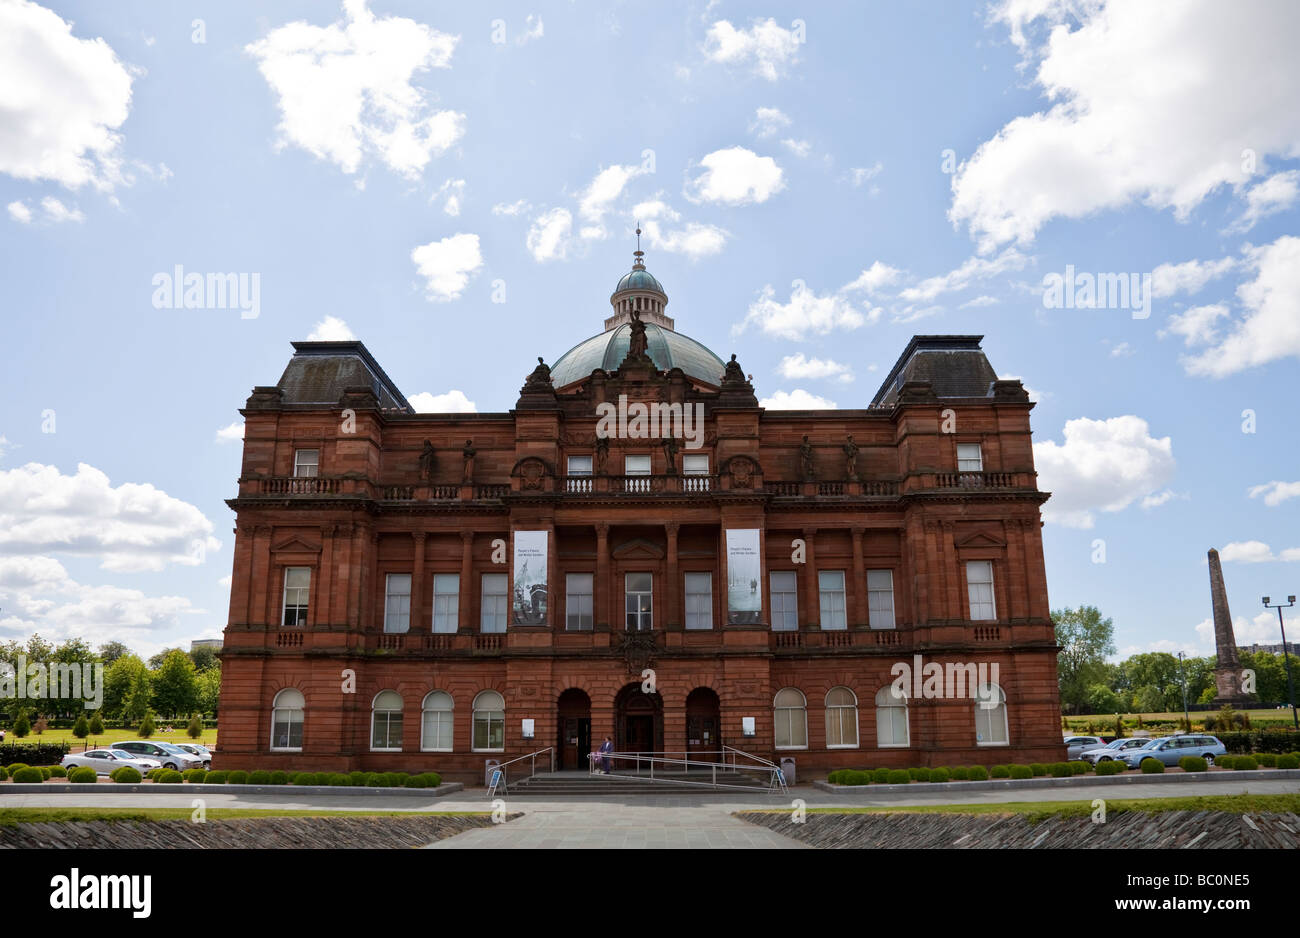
(699,600)
(578,602)
(785,601)
(495,600)
(306,462)
(446,602)
(579,465)
(880,598)
(397,603)
(830,587)
(297,584)
(636,592)
(969,458)
(979,586)
(636,465)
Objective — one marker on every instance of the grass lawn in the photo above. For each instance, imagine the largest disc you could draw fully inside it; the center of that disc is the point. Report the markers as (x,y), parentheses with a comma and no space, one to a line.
(1039,810)
(108,737)
(11,816)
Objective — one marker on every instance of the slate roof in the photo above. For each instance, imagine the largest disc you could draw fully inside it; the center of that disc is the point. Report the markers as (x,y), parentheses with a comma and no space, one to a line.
(320,372)
(954,364)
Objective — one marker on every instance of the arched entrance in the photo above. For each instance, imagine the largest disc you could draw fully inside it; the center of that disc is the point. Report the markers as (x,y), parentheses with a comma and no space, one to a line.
(573,720)
(638,720)
(703,725)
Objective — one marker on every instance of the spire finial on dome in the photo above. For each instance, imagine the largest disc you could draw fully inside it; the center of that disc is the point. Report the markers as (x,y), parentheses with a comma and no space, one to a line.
(638,253)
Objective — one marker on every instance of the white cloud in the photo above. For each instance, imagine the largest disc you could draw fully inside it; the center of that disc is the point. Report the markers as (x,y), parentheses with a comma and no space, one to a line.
(797,367)
(226,581)
(1118,129)
(1261,629)
(454,191)
(1255,552)
(20,213)
(798,399)
(548,236)
(452,402)
(4,445)
(1123,350)
(63,100)
(767,46)
(860,174)
(875,277)
(1101,465)
(767,122)
(533,29)
(1188,277)
(57,212)
(1195,325)
(511,208)
(127,528)
(800,148)
(448,265)
(693,239)
(331,329)
(979,302)
(1275,493)
(1160,498)
(1275,194)
(971,270)
(736,176)
(607,186)
(346,90)
(1271,327)
(806,313)
(232,432)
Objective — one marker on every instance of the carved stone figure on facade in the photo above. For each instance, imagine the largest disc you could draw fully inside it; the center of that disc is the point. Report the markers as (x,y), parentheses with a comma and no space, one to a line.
(806,468)
(602,453)
(733,374)
(851,459)
(427,462)
(670,454)
(469,453)
(540,377)
(638,343)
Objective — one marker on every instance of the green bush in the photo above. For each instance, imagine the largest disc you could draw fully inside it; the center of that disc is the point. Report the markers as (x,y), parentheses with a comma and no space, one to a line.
(919,775)
(959,773)
(1038,769)
(153,773)
(83,776)
(834,776)
(237,777)
(303,778)
(375,780)
(358,778)
(81,729)
(338,779)
(195,729)
(1021,771)
(279,778)
(4,774)
(939,775)
(22,725)
(1288,761)
(126,775)
(396,779)
(899,777)
(1060,770)
(147,727)
(1151,766)
(168,777)
(28,774)
(1224,761)
(978,773)
(215,778)
(58,771)
(433,780)
(880,776)
(259,777)
(15,766)
(1244,763)
(96,724)
(197,776)
(1080,767)
(1193,764)
(417,781)
(1112,767)
(1267,759)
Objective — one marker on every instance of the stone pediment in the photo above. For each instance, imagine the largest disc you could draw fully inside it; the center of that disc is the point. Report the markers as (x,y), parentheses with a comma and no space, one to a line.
(297,544)
(639,548)
(981,539)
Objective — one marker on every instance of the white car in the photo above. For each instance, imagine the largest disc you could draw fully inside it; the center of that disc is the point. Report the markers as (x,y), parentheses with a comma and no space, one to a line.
(168,756)
(1075,745)
(1112,749)
(197,749)
(106,761)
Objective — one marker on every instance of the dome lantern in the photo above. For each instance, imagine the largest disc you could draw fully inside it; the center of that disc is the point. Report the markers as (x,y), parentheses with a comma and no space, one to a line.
(638,291)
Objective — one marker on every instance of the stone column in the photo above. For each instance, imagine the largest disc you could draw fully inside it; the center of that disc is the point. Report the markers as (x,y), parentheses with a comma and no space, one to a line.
(601,588)
(463,623)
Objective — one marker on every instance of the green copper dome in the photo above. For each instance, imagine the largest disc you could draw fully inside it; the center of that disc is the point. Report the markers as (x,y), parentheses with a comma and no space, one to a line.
(667,349)
(638,278)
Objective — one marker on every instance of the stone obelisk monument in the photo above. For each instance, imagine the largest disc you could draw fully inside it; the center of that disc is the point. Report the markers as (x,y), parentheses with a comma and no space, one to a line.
(1227,671)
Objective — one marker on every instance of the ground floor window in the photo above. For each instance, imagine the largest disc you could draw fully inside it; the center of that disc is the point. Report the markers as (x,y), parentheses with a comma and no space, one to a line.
(386,722)
(891,719)
(489,722)
(435,730)
(286,720)
(841,719)
(791,719)
(991,716)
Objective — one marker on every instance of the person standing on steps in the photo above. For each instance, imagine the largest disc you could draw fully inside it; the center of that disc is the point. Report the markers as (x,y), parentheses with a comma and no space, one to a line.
(605,749)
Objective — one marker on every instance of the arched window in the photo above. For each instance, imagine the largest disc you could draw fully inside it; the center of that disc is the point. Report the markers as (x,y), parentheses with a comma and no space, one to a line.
(435,729)
(891,719)
(841,719)
(990,716)
(790,711)
(489,722)
(286,720)
(386,722)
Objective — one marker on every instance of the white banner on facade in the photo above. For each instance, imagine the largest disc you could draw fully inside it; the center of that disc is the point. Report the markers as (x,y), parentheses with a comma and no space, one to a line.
(529,595)
(744,577)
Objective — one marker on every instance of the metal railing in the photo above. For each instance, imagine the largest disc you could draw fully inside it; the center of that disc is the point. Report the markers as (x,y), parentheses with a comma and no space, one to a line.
(646,764)
(503,781)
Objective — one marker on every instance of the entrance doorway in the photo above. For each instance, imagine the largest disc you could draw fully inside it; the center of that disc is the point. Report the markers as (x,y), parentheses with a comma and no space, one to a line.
(638,720)
(573,711)
(703,726)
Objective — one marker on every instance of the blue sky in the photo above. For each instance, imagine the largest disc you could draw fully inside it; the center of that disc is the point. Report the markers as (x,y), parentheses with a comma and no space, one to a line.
(458,189)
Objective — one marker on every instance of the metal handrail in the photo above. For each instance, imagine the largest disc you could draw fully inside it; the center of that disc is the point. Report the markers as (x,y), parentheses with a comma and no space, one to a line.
(776,776)
(532,756)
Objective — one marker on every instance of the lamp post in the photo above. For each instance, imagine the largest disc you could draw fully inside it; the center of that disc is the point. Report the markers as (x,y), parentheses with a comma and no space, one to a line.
(1286,656)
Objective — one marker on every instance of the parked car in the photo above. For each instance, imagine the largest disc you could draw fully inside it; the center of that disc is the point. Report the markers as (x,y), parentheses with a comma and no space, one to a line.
(1169,749)
(201,751)
(1077,744)
(168,755)
(105,761)
(1112,749)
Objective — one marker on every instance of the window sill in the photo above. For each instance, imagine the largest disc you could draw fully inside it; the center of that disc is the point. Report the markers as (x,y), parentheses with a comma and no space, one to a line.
(286,749)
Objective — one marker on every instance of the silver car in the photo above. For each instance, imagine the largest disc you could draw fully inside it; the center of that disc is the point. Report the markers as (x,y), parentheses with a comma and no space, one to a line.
(1169,749)
(1112,749)
(106,761)
(167,755)
(198,750)
(1075,745)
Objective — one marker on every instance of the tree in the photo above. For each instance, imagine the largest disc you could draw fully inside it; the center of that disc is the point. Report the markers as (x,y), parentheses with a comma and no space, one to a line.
(120,678)
(1150,699)
(96,724)
(1157,674)
(81,729)
(136,703)
(111,651)
(146,725)
(1270,675)
(204,657)
(157,660)
(1085,639)
(22,726)
(175,690)
(209,683)
(195,729)
(1101,699)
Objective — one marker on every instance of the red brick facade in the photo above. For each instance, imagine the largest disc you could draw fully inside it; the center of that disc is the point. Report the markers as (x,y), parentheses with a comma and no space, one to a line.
(379,505)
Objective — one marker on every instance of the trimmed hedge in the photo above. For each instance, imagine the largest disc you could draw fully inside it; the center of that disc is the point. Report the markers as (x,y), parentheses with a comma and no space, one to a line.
(880,776)
(1193,764)
(1038,769)
(1288,761)
(28,774)
(939,775)
(358,778)
(1112,767)
(1246,763)
(83,776)
(259,777)
(168,777)
(279,778)
(1275,741)
(216,778)
(58,771)
(237,777)
(899,777)
(1224,762)
(4,774)
(1267,759)
(1020,771)
(126,775)
(1080,767)
(919,775)
(15,766)
(959,773)
(1151,766)
(978,773)
(1060,770)
(338,779)
(197,776)
(12,754)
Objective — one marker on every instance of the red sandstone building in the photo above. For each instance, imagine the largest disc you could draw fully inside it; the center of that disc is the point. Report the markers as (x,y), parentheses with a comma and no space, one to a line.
(416,591)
